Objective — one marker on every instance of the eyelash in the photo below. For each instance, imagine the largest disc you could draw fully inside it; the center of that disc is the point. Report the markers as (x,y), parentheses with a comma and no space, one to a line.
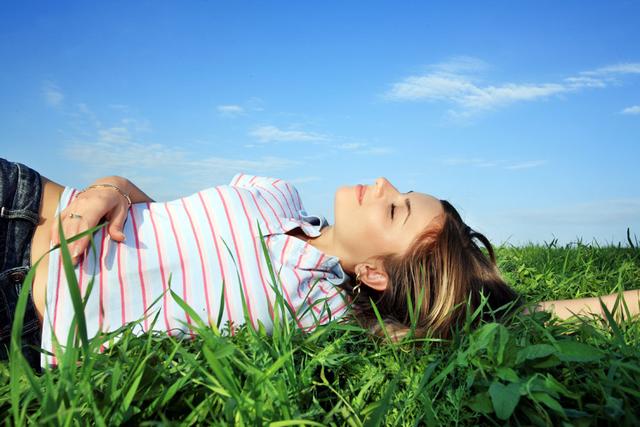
(393,208)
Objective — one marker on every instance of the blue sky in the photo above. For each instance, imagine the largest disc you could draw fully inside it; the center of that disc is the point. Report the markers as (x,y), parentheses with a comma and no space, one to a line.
(525,115)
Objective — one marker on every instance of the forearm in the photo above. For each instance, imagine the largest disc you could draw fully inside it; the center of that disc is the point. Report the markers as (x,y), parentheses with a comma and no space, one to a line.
(565,309)
(128,187)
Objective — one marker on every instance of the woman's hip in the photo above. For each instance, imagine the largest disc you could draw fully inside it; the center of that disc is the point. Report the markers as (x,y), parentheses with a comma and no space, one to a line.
(20,199)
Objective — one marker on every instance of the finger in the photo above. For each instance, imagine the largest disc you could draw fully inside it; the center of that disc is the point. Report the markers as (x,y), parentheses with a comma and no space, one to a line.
(116,225)
(70,230)
(78,249)
(72,227)
(54,232)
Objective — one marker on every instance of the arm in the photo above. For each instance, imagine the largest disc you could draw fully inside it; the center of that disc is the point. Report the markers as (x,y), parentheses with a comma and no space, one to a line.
(566,309)
(128,187)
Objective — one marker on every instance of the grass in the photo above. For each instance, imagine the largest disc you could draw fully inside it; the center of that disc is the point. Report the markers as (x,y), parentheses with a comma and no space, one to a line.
(532,370)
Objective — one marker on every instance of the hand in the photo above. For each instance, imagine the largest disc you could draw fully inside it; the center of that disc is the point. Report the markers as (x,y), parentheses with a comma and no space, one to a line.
(85,212)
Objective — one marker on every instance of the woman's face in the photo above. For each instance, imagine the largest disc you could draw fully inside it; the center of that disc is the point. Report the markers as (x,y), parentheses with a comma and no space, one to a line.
(376,220)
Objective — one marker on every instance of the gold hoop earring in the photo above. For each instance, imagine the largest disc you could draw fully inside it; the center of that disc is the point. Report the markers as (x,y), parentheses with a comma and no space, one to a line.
(356,288)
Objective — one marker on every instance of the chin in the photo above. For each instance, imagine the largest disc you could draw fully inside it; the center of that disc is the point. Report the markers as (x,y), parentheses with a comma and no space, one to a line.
(340,203)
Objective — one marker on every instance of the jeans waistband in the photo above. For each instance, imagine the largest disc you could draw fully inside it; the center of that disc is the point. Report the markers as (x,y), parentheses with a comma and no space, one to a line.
(23,200)
(20,195)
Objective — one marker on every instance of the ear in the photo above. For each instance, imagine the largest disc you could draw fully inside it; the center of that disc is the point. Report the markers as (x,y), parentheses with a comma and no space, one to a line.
(373,275)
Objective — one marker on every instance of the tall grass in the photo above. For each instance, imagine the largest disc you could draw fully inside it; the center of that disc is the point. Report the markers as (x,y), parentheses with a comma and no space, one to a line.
(531,370)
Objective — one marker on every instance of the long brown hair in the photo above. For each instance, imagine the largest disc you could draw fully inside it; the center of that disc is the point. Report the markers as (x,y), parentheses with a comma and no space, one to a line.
(451,271)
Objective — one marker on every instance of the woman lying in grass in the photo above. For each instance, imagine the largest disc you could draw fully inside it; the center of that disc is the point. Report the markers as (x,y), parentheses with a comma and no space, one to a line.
(219,249)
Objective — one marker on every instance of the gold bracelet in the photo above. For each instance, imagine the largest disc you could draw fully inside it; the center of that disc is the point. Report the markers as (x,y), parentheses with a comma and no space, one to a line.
(115,187)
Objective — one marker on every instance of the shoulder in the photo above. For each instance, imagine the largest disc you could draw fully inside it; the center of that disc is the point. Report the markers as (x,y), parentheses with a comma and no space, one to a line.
(255,181)
(276,188)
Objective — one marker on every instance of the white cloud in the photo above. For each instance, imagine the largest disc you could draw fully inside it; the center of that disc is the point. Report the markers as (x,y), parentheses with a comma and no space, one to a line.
(230,110)
(114,148)
(120,107)
(447,82)
(83,116)
(484,163)
(461,64)
(139,125)
(478,162)
(168,172)
(52,93)
(304,179)
(631,110)
(431,87)
(460,90)
(623,68)
(273,134)
(362,148)
(581,81)
(526,165)
(252,104)
(351,146)
(115,135)
(375,151)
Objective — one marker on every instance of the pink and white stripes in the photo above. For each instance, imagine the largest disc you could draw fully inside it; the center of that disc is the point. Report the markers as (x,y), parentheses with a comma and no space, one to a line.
(206,248)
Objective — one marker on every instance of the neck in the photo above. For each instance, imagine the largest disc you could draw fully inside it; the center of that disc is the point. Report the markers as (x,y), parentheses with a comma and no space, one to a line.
(327,244)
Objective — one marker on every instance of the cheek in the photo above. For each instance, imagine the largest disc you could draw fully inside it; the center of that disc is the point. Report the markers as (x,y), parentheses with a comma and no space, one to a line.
(372,228)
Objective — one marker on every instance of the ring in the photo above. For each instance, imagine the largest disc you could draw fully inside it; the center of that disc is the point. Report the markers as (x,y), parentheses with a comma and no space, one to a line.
(74,215)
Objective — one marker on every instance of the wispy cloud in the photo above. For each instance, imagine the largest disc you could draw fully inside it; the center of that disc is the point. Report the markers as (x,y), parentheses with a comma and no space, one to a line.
(82,116)
(631,110)
(168,172)
(120,107)
(230,110)
(174,172)
(114,135)
(274,134)
(251,105)
(351,146)
(363,148)
(526,165)
(52,93)
(485,163)
(455,82)
(304,179)
(623,68)
(478,162)
(461,64)
(375,150)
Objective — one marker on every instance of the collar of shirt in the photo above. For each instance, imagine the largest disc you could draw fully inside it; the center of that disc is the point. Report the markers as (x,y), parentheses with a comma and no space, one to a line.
(299,250)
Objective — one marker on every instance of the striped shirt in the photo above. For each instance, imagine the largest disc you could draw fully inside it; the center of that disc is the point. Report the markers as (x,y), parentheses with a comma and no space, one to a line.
(207,248)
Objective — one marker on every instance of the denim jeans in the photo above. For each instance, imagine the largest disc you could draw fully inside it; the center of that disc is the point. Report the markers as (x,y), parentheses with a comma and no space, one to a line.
(20,194)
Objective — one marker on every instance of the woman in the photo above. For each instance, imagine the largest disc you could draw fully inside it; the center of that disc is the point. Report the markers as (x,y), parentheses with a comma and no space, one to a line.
(384,245)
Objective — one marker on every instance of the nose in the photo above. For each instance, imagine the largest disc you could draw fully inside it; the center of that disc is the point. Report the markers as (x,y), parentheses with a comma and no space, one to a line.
(383,185)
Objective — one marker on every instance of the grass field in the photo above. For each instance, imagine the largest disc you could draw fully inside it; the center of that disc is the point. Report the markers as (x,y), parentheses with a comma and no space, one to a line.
(531,370)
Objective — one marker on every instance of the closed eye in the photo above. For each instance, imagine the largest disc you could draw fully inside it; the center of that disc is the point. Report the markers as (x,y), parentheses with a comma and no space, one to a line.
(407,203)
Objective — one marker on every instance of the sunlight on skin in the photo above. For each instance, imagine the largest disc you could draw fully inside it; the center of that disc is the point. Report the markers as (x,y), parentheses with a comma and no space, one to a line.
(566,309)
(373,221)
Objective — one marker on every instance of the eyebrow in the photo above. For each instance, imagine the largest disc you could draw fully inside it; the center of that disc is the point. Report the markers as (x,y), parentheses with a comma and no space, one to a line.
(408,205)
